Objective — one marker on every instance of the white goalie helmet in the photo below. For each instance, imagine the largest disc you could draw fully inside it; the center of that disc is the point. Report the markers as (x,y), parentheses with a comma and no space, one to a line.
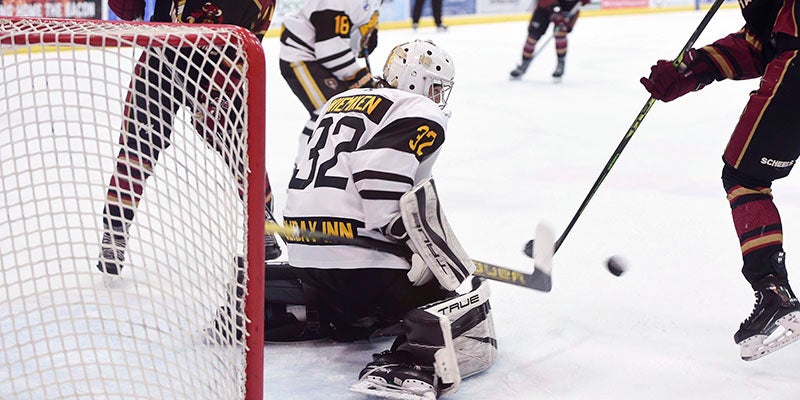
(423,68)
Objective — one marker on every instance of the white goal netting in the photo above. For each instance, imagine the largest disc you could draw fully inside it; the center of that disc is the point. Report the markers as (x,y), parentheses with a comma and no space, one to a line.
(152,133)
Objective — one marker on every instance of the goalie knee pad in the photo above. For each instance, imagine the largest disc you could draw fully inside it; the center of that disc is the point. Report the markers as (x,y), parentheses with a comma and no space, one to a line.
(474,340)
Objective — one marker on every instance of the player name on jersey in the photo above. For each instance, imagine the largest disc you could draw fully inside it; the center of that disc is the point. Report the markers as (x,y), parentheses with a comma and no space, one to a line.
(373,106)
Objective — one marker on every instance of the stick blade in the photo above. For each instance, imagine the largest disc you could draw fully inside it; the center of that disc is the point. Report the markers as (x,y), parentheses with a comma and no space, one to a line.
(543,248)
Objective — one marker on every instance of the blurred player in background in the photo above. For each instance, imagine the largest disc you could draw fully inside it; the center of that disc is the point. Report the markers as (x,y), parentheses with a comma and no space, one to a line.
(436,8)
(560,13)
(764,146)
(320,47)
(364,172)
(149,112)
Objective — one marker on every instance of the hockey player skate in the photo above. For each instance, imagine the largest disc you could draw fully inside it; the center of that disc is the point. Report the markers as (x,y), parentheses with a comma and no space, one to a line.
(112,251)
(559,71)
(521,69)
(774,322)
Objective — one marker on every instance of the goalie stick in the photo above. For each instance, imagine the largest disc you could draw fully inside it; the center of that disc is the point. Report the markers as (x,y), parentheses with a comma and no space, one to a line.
(537,280)
(532,247)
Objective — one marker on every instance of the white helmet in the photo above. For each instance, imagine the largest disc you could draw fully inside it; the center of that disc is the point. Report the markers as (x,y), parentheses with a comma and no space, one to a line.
(422,68)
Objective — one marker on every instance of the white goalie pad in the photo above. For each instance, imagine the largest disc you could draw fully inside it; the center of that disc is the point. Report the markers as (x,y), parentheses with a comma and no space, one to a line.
(445,360)
(472,328)
(431,238)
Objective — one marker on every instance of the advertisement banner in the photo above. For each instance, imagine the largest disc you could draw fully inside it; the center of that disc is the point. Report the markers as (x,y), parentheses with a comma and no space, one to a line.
(391,10)
(672,3)
(91,9)
(605,4)
(449,7)
(504,6)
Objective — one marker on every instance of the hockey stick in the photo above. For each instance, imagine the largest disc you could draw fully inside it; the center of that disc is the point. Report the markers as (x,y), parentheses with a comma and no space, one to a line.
(529,247)
(535,280)
(366,61)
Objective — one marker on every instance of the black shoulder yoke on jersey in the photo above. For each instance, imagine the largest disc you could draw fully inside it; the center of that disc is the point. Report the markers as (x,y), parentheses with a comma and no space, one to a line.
(331,23)
(418,136)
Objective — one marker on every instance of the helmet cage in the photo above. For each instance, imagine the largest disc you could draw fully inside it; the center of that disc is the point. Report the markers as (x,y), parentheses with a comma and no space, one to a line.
(422,68)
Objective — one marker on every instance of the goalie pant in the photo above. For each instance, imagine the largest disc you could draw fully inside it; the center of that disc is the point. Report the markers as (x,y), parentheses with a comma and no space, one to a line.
(339,304)
(349,304)
(438,345)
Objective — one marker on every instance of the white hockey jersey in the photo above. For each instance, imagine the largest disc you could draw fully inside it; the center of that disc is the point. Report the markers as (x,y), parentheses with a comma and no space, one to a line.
(333,32)
(368,148)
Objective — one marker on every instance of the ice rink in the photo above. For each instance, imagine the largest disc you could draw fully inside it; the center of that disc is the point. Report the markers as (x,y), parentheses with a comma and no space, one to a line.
(519,152)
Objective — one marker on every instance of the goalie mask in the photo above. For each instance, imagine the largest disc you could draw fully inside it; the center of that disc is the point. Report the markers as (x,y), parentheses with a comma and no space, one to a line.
(423,68)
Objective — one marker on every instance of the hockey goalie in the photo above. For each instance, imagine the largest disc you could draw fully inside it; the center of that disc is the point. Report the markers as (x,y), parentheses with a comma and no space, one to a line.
(366,173)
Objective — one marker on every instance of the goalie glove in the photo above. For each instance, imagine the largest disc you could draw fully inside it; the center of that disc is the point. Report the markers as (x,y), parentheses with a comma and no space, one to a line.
(419,274)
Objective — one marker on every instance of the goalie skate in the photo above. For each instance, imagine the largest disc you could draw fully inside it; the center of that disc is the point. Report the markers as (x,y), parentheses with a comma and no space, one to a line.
(783,332)
(387,391)
(393,376)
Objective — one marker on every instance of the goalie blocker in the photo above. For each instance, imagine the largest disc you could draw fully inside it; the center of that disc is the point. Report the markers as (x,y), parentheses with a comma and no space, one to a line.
(437,252)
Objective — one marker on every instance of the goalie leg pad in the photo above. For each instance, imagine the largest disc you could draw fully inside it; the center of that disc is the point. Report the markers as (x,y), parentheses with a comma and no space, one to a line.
(421,364)
(441,343)
(432,239)
(471,323)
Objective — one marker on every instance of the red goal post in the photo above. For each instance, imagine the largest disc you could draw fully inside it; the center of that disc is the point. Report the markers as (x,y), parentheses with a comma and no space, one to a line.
(153,332)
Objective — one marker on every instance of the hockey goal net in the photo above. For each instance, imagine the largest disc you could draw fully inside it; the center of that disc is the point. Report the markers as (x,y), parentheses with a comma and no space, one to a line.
(182,153)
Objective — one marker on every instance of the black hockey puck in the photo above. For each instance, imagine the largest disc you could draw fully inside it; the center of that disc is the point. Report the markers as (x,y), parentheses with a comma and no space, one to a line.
(616,265)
